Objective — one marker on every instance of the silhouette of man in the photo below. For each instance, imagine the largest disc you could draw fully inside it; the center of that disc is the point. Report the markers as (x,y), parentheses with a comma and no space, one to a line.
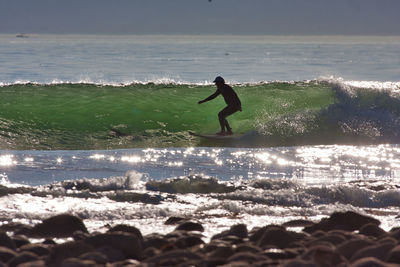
(232,101)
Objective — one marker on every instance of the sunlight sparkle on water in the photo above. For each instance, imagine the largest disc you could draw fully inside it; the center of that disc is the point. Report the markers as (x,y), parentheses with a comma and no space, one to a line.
(7,160)
(282,161)
(176,163)
(264,157)
(218,162)
(97,156)
(352,162)
(131,159)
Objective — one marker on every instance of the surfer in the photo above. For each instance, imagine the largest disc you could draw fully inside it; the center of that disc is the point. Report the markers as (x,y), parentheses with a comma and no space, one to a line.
(232,101)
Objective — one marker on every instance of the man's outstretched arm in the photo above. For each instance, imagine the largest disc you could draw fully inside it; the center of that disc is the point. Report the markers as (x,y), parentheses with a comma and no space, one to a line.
(211,97)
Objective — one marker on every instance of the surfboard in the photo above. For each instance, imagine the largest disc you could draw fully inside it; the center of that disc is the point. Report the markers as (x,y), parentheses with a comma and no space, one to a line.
(216,137)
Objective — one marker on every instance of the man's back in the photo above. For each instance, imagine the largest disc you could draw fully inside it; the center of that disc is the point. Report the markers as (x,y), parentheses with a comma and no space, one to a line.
(229,95)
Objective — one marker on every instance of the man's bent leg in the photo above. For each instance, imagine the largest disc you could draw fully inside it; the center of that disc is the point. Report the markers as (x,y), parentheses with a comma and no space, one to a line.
(229,110)
(222,120)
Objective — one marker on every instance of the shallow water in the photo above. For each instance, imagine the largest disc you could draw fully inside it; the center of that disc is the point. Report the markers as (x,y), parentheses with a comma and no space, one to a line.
(251,186)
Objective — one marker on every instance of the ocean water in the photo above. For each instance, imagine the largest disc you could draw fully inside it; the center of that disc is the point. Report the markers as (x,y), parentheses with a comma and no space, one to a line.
(98,126)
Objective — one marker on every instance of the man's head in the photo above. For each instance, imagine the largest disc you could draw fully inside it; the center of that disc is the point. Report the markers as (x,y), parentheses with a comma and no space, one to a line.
(219,80)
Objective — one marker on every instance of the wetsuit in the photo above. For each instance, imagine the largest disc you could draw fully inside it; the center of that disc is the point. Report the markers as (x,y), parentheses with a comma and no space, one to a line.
(232,101)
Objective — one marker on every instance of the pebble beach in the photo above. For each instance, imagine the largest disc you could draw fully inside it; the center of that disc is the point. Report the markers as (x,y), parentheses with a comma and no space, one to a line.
(342,239)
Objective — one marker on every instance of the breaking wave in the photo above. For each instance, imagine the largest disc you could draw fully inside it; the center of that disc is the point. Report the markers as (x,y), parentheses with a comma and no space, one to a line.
(103,116)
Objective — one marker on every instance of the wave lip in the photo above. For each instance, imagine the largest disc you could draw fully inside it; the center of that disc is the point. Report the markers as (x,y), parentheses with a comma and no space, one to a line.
(367,84)
(377,85)
(158,81)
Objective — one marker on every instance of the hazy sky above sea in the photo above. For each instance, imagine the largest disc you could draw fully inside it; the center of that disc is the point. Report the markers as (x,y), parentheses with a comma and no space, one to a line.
(294,17)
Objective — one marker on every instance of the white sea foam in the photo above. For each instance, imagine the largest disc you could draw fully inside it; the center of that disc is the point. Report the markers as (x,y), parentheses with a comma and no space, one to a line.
(254,203)
(365,84)
(392,86)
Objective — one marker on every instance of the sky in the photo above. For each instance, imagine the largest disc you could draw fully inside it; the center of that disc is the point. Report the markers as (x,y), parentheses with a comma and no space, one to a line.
(230,17)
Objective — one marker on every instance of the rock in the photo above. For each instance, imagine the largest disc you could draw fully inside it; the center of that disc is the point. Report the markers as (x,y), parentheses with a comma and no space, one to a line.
(348,221)
(298,223)
(63,225)
(279,237)
(369,262)
(37,249)
(394,229)
(334,239)
(20,240)
(347,235)
(150,252)
(221,252)
(215,262)
(377,251)
(247,257)
(388,240)
(190,226)
(231,239)
(394,255)
(188,241)
(279,254)
(238,230)
(320,243)
(16,228)
(60,252)
(155,241)
(233,264)
(373,230)
(95,256)
(74,262)
(318,234)
(123,196)
(214,244)
(299,263)
(129,244)
(126,263)
(291,253)
(6,254)
(348,248)
(247,247)
(23,230)
(174,220)
(49,241)
(38,263)
(324,256)
(257,234)
(79,235)
(126,229)
(22,258)
(112,254)
(395,234)
(174,258)
(6,241)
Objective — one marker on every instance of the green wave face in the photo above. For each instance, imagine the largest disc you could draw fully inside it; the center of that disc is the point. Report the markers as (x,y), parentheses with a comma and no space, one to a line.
(87,116)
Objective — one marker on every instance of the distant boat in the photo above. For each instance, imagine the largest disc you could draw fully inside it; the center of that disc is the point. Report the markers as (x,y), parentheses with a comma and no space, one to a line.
(21,35)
